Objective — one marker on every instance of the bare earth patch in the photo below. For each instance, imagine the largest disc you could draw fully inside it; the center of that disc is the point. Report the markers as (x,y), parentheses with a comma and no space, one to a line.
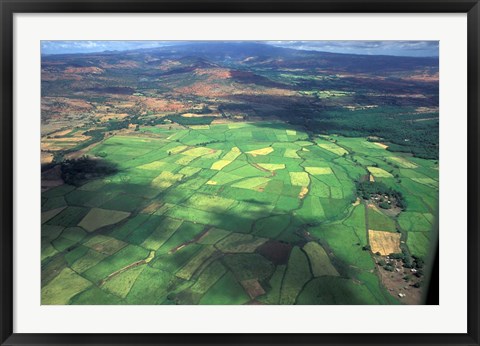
(384,242)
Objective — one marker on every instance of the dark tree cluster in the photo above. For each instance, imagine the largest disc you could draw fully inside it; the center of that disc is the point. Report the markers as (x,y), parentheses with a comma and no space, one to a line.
(148,121)
(419,138)
(203,110)
(177,118)
(117,125)
(410,262)
(77,171)
(368,189)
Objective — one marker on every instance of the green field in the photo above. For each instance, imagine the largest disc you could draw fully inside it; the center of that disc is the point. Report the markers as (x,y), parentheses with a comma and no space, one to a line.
(231,213)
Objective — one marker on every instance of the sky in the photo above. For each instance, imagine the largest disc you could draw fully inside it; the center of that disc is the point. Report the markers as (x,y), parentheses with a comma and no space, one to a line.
(398,48)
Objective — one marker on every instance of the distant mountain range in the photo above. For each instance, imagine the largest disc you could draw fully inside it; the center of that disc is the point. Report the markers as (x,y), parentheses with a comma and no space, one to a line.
(254,54)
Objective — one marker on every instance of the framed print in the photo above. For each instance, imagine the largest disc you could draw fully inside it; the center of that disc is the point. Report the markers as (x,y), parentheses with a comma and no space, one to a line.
(239,173)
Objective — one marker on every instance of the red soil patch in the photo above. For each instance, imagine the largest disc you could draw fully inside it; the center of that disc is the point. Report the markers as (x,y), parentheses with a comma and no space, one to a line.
(63,102)
(207,89)
(213,89)
(90,69)
(168,65)
(161,105)
(121,64)
(214,73)
(423,77)
(51,76)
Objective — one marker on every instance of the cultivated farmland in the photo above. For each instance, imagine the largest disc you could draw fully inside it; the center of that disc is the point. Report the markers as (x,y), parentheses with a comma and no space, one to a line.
(205,237)
(239,173)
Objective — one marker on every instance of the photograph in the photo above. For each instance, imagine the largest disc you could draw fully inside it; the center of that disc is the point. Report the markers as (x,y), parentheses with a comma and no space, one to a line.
(239,172)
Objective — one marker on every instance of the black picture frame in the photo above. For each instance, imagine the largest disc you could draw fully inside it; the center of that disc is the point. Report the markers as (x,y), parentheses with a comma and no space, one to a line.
(9,8)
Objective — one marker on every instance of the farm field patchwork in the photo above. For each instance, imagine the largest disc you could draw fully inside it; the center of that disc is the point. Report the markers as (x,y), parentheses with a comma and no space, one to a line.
(238,172)
(248,219)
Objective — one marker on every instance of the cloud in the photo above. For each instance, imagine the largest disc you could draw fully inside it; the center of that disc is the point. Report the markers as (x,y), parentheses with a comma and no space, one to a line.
(66,47)
(401,48)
